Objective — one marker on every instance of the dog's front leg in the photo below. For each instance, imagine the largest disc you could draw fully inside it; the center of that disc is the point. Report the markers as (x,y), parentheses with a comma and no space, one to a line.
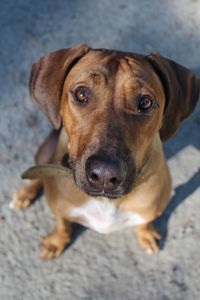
(55,243)
(148,237)
(28,193)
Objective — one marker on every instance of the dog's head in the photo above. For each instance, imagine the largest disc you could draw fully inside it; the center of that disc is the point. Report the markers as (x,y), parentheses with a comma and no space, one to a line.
(112,104)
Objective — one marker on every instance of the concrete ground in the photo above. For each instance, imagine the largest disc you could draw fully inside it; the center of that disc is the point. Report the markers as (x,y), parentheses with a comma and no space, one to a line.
(95,266)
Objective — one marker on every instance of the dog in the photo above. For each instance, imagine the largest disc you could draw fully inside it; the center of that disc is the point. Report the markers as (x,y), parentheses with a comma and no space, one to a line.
(111,111)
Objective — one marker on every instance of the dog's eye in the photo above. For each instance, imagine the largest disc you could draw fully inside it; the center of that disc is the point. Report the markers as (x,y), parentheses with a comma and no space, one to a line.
(82,95)
(145,104)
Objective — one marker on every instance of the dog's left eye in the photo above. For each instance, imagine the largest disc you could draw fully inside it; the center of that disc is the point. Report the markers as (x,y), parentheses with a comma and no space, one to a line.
(81,95)
(145,104)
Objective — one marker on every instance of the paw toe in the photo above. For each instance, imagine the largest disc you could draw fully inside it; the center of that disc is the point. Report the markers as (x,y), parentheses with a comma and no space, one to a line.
(148,239)
(20,202)
(51,247)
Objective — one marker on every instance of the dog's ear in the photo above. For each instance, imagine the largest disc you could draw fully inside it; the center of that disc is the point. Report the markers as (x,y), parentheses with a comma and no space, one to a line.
(182,91)
(47,79)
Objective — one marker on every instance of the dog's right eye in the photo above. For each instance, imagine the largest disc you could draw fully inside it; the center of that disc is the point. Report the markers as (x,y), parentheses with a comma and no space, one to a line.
(81,95)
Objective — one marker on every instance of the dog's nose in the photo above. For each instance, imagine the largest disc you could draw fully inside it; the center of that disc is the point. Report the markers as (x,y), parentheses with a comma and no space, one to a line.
(105,175)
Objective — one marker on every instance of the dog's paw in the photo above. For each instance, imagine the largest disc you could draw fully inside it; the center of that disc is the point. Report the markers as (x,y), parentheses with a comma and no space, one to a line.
(21,200)
(26,195)
(148,238)
(53,245)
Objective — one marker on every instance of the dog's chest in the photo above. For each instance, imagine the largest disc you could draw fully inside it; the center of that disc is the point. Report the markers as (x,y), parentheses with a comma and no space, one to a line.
(104,216)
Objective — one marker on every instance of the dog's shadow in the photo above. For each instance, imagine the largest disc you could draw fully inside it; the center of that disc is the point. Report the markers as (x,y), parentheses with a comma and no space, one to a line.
(77,230)
(181,193)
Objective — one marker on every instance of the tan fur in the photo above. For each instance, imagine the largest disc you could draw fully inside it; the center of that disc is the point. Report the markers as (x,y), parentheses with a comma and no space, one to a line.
(111,124)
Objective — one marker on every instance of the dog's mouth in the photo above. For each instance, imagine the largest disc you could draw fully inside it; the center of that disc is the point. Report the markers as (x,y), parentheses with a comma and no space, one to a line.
(113,195)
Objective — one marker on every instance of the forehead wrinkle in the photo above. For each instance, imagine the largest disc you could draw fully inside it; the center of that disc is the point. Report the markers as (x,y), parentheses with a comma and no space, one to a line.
(123,64)
(139,75)
(135,67)
(132,75)
(99,76)
(105,56)
(96,76)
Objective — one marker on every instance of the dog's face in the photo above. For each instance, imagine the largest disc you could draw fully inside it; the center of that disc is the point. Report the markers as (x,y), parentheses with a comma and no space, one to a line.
(112,105)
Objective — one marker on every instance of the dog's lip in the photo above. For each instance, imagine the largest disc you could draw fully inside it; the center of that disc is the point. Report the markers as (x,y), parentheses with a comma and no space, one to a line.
(113,195)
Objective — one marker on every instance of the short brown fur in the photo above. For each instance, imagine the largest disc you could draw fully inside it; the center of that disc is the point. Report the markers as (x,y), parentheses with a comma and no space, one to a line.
(109,125)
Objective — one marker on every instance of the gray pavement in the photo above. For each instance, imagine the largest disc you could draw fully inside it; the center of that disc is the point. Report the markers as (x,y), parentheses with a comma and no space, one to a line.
(95,266)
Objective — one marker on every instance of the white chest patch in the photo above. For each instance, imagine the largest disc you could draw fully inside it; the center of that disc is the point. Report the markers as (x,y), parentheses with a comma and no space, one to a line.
(104,217)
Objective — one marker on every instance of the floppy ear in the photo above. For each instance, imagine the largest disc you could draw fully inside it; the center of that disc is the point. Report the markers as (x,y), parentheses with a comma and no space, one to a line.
(47,79)
(182,91)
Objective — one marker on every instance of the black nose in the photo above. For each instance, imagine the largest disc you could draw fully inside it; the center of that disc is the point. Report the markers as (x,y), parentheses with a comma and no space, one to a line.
(105,175)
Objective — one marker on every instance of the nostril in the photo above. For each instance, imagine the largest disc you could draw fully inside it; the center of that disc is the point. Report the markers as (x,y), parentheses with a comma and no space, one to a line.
(94,177)
(114,180)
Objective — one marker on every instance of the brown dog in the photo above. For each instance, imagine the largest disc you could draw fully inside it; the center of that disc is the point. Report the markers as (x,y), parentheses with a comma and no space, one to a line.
(110,111)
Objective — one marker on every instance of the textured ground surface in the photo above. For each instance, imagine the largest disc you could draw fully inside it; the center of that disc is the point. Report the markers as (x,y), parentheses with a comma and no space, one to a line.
(95,266)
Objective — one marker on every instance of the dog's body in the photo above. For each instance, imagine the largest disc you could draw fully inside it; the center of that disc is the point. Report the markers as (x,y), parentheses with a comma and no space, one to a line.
(114,108)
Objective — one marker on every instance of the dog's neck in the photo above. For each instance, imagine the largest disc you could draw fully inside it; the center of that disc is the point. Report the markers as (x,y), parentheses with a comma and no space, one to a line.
(151,162)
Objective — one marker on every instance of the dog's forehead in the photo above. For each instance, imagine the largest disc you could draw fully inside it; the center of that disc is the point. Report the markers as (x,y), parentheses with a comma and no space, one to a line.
(96,63)
(111,60)
(106,64)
